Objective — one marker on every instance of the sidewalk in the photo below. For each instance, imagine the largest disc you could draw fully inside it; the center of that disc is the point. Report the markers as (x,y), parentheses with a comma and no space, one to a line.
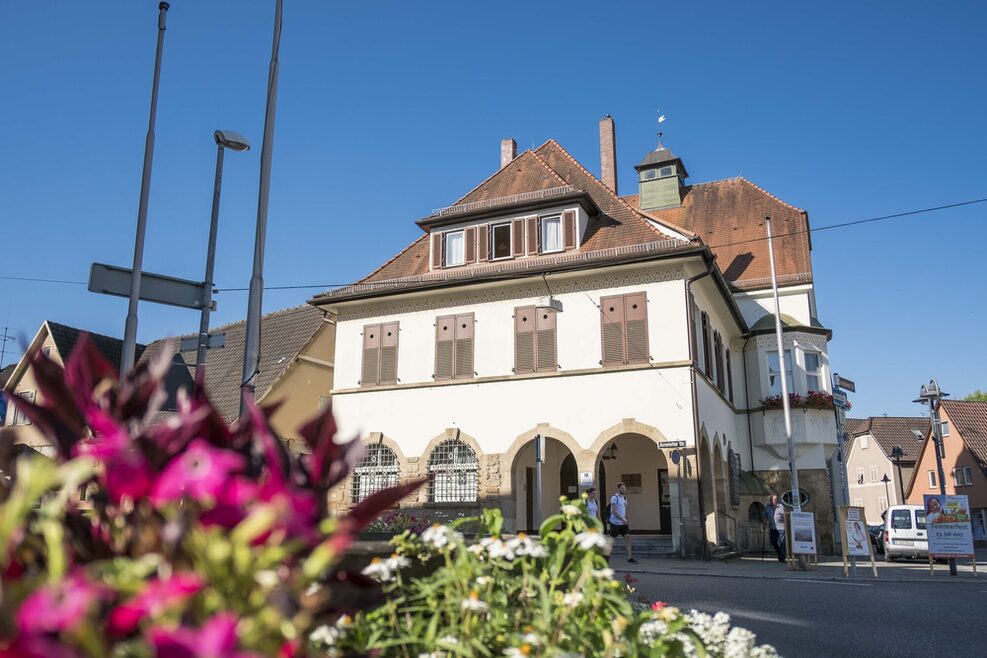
(829,568)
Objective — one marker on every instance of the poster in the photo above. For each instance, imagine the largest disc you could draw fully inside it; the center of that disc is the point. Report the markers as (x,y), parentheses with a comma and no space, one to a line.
(947,520)
(857,538)
(803,533)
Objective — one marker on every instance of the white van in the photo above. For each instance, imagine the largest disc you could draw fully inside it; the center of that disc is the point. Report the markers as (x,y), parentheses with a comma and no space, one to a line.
(904,532)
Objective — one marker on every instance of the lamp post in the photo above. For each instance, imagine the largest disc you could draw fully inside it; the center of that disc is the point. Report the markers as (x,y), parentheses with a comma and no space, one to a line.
(896,454)
(885,480)
(225,139)
(932,395)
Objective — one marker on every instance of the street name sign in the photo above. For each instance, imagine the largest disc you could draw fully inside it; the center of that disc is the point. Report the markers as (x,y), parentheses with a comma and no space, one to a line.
(845,384)
(671,444)
(158,288)
(192,342)
(840,399)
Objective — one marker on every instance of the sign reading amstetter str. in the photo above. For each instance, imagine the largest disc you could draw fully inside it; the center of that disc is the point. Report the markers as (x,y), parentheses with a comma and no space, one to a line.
(947,520)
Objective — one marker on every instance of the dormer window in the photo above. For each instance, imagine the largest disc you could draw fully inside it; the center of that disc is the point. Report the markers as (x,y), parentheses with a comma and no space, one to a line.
(500,244)
(551,234)
(455,248)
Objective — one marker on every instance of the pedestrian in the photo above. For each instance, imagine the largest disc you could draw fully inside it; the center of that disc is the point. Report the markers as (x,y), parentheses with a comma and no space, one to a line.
(592,504)
(619,527)
(779,517)
(769,520)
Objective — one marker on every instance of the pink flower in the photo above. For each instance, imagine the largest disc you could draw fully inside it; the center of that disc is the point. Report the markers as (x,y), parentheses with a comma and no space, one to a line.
(232,504)
(216,639)
(156,597)
(59,607)
(201,472)
(658,605)
(125,471)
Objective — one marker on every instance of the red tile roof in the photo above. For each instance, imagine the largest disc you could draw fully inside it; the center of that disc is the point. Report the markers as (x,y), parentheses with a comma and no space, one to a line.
(891,431)
(969,419)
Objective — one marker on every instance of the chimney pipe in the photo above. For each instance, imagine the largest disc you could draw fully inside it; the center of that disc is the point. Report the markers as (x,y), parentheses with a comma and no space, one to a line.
(508,151)
(608,153)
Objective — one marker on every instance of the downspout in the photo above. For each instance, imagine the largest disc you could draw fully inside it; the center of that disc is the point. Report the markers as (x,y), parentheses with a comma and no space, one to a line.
(690,323)
(747,398)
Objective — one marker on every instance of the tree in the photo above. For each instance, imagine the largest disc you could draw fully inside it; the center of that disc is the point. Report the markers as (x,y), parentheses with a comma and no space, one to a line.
(977,396)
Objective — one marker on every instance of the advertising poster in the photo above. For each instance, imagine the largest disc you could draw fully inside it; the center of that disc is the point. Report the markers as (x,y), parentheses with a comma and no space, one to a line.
(857,539)
(803,533)
(948,526)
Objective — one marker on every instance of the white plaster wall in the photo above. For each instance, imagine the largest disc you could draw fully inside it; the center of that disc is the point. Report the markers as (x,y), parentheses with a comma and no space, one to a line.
(578,332)
(795,301)
(720,421)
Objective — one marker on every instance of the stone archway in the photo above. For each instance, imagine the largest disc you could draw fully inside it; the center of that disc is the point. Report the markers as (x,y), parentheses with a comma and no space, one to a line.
(559,478)
(706,478)
(720,486)
(636,460)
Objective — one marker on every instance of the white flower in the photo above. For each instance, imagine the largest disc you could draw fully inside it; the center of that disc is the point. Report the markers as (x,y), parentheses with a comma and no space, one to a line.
(384,570)
(440,536)
(474,604)
(448,639)
(606,574)
(531,638)
(593,538)
(572,599)
(483,581)
(650,631)
(267,579)
(518,652)
(522,544)
(499,549)
(571,510)
(477,550)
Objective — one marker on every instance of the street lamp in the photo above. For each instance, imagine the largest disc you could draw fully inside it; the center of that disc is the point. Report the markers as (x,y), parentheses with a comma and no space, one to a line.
(885,480)
(225,139)
(932,395)
(896,454)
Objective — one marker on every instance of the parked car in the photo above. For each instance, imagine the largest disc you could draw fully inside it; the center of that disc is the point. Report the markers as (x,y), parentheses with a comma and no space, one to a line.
(876,533)
(905,533)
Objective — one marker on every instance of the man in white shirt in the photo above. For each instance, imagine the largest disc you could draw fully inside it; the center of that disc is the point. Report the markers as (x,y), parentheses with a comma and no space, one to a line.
(618,519)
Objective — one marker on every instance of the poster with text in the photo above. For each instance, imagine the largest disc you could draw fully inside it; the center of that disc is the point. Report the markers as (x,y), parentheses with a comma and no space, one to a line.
(947,520)
(857,539)
(803,533)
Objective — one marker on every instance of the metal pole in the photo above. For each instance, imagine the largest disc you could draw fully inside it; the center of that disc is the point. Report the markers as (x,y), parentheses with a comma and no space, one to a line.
(251,350)
(844,484)
(937,437)
(200,353)
(678,485)
(539,458)
(786,404)
(901,481)
(129,349)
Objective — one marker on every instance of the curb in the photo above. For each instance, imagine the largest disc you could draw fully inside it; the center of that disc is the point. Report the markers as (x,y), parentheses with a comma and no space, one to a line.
(968,579)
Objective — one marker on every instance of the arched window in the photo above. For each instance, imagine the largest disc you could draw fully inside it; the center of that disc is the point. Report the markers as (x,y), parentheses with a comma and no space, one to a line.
(377,470)
(454,471)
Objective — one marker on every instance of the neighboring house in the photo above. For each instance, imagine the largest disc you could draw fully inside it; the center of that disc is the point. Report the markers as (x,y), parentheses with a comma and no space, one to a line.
(871,442)
(544,303)
(57,341)
(964,462)
(295,369)
(5,374)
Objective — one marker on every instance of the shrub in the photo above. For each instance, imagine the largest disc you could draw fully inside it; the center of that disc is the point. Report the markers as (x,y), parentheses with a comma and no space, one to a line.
(519,596)
(194,538)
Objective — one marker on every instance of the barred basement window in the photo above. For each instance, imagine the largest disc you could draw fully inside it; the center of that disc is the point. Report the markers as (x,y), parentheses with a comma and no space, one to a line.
(454,473)
(377,470)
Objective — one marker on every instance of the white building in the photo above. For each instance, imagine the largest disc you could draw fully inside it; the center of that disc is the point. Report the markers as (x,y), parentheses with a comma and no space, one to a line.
(542,302)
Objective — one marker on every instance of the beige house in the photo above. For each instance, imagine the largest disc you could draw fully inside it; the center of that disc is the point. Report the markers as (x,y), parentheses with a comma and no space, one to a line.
(873,475)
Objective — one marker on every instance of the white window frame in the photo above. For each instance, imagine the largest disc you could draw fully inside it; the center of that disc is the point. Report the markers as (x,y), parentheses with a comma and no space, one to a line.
(510,240)
(932,479)
(19,417)
(864,442)
(446,251)
(858,502)
(813,374)
(882,502)
(787,365)
(956,476)
(860,475)
(967,476)
(872,471)
(944,428)
(543,223)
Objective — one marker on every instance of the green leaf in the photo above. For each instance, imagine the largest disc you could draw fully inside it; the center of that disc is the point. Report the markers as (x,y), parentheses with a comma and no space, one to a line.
(549,524)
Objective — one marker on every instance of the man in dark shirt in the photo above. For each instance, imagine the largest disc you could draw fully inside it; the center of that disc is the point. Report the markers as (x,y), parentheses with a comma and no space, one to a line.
(769,519)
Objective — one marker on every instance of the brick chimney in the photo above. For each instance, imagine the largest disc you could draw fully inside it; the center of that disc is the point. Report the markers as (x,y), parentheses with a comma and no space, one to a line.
(508,151)
(608,153)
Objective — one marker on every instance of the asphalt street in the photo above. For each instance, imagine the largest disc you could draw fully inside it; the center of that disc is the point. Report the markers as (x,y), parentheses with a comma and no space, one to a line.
(834,618)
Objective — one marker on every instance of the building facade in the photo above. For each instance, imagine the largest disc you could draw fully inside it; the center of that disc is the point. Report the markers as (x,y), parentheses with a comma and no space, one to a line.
(877,474)
(620,328)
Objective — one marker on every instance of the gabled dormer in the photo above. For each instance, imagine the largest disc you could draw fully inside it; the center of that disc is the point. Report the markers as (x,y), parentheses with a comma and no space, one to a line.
(661,178)
(519,226)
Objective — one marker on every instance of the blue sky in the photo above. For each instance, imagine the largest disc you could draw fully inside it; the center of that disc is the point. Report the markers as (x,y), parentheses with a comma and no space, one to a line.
(388,110)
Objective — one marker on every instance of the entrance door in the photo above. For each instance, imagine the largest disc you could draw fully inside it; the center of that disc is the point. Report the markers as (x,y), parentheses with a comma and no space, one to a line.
(664,503)
(569,478)
(529,500)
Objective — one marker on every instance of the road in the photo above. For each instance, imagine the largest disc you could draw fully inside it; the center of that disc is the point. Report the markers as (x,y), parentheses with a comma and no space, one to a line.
(832,618)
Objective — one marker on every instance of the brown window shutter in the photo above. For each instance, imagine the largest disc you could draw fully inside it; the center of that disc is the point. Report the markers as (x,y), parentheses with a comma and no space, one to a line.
(636,327)
(483,248)
(517,233)
(546,345)
(464,346)
(720,379)
(436,251)
(371,355)
(524,339)
(471,245)
(707,357)
(532,235)
(612,330)
(569,229)
(445,333)
(729,378)
(389,353)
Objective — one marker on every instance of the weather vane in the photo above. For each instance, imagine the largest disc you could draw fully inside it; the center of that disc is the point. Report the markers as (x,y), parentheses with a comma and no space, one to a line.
(661,120)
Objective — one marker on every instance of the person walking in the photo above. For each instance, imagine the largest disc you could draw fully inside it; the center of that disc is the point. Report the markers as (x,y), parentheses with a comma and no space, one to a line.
(592,504)
(619,527)
(769,520)
(779,518)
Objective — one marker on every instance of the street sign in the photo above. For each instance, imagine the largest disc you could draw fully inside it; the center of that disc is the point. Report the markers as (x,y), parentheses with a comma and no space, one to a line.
(840,399)
(113,280)
(192,342)
(676,456)
(671,444)
(845,384)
